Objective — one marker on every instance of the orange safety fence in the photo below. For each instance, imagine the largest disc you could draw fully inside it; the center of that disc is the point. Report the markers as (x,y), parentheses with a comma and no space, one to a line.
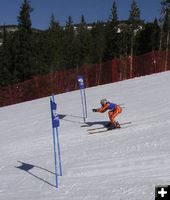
(94,74)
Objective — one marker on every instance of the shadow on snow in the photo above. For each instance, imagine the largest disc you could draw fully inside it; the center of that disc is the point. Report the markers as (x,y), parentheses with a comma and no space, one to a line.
(28,167)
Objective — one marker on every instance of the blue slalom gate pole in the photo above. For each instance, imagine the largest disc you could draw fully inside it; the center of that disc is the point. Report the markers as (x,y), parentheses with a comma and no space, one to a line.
(59,154)
(54,144)
(83,96)
(55,125)
(58,143)
(82,101)
(55,159)
(85,103)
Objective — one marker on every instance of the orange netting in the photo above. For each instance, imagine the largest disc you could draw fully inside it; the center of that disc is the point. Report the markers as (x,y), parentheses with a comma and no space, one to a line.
(95,74)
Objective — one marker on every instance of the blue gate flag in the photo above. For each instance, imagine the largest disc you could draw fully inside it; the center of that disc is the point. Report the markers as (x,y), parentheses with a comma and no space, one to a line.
(80,81)
(55,117)
(83,95)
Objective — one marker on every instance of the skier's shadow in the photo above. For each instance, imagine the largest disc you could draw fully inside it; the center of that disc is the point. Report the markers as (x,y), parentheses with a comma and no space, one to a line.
(27,168)
(87,124)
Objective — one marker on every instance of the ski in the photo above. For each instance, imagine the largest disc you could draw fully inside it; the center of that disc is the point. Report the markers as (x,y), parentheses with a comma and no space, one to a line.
(103,127)
(124,123)
(101,131)
(92,129)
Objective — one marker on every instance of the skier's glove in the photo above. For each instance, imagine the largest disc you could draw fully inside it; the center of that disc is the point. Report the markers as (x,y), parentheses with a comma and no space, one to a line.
(94,110)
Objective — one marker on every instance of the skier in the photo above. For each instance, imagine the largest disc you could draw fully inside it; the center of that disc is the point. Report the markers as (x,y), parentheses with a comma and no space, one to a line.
(114,110)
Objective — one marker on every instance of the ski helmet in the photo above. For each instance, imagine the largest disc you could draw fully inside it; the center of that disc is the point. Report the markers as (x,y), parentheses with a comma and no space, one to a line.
(103,101)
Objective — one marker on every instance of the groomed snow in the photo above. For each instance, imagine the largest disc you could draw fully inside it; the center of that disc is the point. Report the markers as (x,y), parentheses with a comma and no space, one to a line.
(123,164)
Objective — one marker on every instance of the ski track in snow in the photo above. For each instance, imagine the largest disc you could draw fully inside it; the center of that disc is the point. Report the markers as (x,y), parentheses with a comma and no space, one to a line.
(121,164)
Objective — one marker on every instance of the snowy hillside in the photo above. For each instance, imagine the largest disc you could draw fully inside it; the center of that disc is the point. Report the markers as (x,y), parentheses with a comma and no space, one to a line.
(123,164)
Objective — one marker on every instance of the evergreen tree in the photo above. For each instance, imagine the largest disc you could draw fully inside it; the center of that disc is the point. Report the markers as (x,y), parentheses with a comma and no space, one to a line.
(112,46)
(4,59)
(69,47)
(165,24)
(165,30)
(134,16)
(7,75)
(124,38)
(135,25)
(155,35)
(98,42)
(41,45)
(54,25)
(54,48)
(83,42)
(148,38)
(24,62)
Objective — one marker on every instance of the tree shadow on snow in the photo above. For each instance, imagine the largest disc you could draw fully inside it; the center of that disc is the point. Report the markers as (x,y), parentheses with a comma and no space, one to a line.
(87,124)
(27,168)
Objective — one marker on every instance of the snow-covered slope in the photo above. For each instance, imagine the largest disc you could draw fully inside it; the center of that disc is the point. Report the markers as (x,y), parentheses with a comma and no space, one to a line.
(121,164)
